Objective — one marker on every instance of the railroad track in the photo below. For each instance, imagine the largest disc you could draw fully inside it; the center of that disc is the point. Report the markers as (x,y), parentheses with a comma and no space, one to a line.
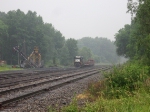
(30,76)
(28,72)
(20,93)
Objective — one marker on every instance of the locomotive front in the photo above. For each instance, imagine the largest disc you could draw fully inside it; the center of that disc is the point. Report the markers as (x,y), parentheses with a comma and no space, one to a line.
(78,61)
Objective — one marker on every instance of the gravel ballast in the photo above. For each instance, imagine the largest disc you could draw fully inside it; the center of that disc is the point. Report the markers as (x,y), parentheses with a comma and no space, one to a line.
(56,98)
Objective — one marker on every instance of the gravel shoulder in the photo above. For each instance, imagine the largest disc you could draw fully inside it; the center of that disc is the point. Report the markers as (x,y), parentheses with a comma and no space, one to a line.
(56,98)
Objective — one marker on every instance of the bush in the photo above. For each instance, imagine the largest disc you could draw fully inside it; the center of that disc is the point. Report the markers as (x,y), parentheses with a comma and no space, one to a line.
(123,81)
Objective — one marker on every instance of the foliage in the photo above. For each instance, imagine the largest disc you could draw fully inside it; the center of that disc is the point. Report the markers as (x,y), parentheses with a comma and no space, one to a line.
(125,89)
(122,40)
(3,37)
(125,80)
(142,18)
(94,88)
(85,52)
(96,58)
(72,107)
(29,30)
(72,47)
(133,41)
(64,53)
(51,109)
(102,49)
(139,103)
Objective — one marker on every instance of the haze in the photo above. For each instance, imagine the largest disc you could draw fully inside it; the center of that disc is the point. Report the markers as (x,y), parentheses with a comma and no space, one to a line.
(77,18)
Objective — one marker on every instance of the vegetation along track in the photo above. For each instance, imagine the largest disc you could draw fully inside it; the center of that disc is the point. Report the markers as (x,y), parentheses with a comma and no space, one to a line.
(15,94)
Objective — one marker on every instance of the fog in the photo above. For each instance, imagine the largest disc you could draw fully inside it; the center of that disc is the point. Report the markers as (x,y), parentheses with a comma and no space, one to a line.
(77,18)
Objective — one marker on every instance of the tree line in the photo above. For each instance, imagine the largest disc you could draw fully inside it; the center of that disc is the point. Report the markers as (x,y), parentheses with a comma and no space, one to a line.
(133,41)
(29,30)
(102,50)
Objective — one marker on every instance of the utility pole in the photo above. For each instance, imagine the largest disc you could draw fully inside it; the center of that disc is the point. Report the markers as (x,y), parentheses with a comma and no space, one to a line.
(18,57)
(24,47)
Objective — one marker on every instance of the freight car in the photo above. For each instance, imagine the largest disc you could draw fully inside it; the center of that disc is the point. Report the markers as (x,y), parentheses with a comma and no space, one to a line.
(90,62)
(79,62)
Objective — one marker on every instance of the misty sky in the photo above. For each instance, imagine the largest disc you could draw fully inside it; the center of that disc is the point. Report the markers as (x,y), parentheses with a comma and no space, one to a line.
(77,18)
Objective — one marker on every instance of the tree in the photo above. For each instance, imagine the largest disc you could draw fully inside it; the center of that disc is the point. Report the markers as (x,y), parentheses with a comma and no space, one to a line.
(86,53)
(64,56)
(71,44)
(26,31)
(3,38)
(102,47)
(122,40)
(141,33)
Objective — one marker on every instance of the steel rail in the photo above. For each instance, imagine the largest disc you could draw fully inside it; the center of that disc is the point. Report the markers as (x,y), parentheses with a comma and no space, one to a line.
(44,82)
(11,100)
(31,77)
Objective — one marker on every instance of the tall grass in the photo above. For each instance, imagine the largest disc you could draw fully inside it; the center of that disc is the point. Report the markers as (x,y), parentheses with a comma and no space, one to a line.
(138,103)
(126,89)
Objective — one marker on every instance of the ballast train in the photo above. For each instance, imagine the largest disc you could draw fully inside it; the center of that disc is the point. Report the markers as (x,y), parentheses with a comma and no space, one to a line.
(79,62)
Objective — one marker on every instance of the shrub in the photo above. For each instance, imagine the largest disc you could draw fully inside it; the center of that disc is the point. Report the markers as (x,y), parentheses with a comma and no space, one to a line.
(123,81)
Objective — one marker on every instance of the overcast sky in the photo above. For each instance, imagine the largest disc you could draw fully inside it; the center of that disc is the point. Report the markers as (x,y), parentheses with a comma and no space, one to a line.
(77,18)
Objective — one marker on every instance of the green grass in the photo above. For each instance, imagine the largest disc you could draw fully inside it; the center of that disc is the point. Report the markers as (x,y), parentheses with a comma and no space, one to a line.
(7,68)
(138,103)
(126,89)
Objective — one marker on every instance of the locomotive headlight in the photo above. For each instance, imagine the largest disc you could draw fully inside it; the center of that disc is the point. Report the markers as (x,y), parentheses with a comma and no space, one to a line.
(77,60)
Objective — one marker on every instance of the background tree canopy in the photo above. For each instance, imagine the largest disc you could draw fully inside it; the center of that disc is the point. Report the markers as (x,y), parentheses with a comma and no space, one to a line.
(29,30)
(26,31)
(101,49)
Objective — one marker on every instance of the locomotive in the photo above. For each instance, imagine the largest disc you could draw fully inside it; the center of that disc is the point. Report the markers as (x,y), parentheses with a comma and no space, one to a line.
(79,62)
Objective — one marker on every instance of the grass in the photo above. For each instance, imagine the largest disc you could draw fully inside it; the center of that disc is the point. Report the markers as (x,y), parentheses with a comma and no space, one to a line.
(7,68)
(126,89)
(138,103)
